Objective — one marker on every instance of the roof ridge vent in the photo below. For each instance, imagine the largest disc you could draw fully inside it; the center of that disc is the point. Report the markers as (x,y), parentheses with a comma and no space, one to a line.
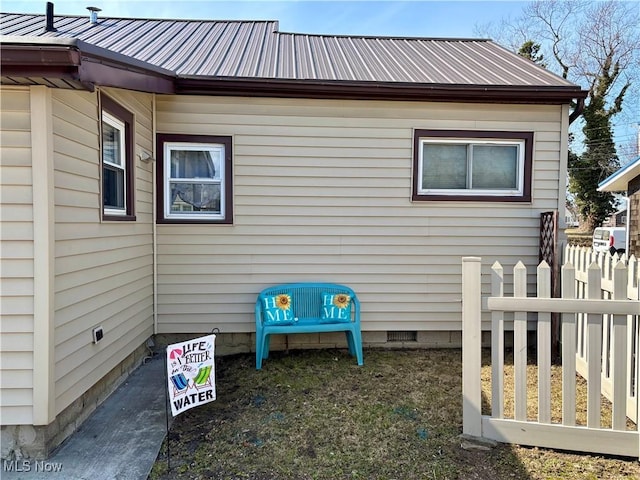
(48,26)
(93,14)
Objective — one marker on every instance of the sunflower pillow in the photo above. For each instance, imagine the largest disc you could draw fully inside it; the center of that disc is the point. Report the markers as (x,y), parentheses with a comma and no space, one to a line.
(278,309)
(336,307)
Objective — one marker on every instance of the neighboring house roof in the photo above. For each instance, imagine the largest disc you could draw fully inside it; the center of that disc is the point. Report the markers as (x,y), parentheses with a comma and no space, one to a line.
(619,181)
(193,53)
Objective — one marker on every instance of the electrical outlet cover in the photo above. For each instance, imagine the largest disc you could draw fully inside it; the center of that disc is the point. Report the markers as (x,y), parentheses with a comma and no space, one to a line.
(98,334)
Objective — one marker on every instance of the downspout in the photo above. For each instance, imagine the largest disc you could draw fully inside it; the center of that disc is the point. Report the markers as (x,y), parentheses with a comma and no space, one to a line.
(577,111)
(154,215)
(627,227)
(564,160)
(628,223)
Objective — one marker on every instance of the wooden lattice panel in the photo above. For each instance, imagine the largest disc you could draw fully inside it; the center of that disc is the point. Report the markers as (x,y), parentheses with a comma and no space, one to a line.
(548,237)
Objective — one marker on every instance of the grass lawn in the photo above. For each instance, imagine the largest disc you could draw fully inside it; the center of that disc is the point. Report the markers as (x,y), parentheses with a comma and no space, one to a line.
(316,415)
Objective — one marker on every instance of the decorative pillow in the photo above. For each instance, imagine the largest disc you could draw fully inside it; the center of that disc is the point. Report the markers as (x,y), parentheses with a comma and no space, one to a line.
(336,307)
(278,309)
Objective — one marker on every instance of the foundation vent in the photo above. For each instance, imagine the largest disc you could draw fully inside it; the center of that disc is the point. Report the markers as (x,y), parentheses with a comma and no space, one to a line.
(406,336)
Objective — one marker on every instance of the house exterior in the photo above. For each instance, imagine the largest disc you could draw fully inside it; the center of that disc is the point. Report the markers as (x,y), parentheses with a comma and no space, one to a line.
(627,179)
(157,174)
(617,219)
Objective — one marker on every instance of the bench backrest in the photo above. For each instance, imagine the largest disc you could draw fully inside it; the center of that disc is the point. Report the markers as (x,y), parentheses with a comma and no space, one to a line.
(307,298)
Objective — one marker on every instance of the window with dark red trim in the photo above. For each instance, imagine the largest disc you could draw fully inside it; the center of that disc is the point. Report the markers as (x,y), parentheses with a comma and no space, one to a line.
(116,132)
(194,179)
(470,165)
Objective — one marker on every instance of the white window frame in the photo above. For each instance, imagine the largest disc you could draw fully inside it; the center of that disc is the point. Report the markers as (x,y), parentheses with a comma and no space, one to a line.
(469,143)
(218,180)
(119,126)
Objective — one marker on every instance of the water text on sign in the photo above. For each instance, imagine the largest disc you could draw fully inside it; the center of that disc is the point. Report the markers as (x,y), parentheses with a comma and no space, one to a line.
(200,397)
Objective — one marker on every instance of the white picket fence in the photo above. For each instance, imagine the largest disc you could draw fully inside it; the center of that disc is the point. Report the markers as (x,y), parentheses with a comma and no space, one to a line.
(587,262)
(617,311)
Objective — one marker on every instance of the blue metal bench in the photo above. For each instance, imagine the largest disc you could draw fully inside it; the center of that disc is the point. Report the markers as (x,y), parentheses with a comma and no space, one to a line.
(307,308)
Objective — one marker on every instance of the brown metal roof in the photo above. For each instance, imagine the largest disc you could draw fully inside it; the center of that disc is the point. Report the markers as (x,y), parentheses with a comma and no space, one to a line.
(256,50)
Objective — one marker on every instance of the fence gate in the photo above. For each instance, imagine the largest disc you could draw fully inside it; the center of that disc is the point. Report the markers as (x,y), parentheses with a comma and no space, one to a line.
(550,426)
(588,285)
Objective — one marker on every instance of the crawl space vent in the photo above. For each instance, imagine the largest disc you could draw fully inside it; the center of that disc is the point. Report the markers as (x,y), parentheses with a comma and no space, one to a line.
(409,336)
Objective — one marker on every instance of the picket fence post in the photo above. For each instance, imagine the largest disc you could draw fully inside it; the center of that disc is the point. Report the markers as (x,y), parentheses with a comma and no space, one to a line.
(568,348)
(497,344)
(471,346)
(544,346)
(520,344)
(594,349)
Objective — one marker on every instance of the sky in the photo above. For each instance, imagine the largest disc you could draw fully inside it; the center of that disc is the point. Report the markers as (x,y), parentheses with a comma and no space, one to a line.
(419,18)
(414,18)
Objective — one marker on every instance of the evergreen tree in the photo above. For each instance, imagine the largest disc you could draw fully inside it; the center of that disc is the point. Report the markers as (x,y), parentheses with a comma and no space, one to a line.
(531,50)
(595,164)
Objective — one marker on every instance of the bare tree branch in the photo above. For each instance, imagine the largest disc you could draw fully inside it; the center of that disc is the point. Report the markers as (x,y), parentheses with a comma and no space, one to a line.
(595,44)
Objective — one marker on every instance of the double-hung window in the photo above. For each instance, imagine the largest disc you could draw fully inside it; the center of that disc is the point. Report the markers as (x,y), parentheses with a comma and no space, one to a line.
(117,161)
(472,165)
(195,179)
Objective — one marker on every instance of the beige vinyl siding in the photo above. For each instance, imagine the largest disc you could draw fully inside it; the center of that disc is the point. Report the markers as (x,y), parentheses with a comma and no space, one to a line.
(103,270)
(16,262)
(322,192)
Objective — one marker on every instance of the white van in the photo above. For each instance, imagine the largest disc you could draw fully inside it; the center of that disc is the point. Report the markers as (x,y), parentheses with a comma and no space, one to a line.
(610,239)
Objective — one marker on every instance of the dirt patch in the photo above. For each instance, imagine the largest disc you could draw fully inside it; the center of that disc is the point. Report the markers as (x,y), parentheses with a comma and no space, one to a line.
(317,415)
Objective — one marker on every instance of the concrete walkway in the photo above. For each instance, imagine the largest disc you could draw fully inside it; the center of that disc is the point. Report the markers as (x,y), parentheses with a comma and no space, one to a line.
(119,441)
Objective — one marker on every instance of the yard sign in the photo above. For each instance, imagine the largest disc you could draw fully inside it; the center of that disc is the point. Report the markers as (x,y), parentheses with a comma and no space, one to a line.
(191,373)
